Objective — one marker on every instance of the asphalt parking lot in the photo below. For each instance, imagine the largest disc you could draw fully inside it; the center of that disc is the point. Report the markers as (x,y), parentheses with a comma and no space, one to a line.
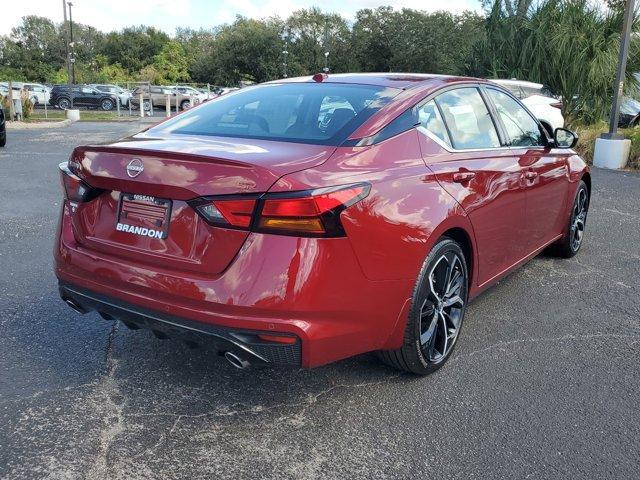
(544,382)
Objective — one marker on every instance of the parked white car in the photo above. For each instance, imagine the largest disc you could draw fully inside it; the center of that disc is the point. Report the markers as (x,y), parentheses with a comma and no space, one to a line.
(198,96)
(123,95)
(38,93)
(539,100)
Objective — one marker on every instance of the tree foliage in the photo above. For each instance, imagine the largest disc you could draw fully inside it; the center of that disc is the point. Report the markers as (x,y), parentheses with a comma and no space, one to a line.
(570,45)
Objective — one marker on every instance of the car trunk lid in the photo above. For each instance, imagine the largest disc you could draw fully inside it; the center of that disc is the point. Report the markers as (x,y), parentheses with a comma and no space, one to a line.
(143,214)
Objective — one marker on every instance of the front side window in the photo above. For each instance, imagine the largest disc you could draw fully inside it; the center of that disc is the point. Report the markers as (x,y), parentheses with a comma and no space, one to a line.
(430,118)
(316,113)
(468,119)
(522,130)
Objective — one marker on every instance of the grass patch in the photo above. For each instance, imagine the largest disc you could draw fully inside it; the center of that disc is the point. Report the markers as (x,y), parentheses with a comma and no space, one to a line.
(85,115)
(587,139)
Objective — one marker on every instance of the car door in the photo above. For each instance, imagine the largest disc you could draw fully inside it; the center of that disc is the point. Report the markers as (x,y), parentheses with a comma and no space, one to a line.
(546,169)
(82,97)
(472,164)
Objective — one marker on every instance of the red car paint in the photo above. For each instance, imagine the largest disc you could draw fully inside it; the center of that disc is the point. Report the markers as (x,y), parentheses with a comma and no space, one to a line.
(340,296)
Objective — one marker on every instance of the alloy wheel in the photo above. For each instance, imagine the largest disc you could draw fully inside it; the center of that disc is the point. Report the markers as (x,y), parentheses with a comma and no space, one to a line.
(107,105)
(442,311)
(579,219)
(64,104)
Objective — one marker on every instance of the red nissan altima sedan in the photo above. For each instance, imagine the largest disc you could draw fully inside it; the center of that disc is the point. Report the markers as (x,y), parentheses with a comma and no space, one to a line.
(307,220)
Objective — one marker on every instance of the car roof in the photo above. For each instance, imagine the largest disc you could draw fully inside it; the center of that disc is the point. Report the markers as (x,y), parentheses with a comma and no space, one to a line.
(513,81)
(395,80)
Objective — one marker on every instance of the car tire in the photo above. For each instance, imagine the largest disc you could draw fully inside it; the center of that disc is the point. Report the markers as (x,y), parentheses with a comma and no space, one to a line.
(570,243)
(437,311)
(146,105)
(106,105)
(64,103)
(185,105)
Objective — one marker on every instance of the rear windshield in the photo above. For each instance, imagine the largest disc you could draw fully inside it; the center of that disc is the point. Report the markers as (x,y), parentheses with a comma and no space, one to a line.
(323,114)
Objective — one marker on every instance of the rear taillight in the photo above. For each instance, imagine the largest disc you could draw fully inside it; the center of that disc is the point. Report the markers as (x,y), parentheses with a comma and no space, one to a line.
(556,105)
(76,189)
(314,213)
(234,212)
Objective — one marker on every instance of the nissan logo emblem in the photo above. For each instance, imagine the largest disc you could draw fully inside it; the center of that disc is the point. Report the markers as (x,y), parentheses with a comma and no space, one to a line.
(135,167)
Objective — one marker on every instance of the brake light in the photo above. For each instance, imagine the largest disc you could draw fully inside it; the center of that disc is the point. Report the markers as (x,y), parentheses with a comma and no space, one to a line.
(232,213)
(76,189)
(313,213)
(556,105)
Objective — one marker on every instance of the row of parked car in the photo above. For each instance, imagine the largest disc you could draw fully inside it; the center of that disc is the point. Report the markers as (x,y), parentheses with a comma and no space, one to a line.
(107,96)
(537,97)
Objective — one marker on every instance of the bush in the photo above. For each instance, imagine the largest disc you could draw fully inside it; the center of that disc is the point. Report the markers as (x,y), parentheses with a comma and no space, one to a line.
(27,106)
(587,138)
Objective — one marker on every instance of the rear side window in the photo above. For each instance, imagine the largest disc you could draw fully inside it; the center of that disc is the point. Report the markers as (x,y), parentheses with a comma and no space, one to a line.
(316,113)
(468,119)
(522,130)
(430,118)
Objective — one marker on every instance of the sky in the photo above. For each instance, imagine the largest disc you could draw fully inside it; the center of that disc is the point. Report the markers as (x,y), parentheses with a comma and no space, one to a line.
(108,15)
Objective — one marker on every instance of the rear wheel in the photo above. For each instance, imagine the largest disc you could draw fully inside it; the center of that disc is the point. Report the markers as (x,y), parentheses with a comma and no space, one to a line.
(146,105)
(106,105)
(571,241)
(64,103)
(186,104)
(437,311)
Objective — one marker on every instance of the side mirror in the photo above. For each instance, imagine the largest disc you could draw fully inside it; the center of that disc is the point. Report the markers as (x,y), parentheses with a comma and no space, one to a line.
(564,138)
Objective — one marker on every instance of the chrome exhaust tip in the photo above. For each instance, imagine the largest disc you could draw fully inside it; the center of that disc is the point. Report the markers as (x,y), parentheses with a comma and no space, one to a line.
(236,361)
(75,306)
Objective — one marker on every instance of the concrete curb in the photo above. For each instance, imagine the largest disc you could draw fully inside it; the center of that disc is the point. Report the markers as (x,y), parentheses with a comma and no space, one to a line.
(33,126)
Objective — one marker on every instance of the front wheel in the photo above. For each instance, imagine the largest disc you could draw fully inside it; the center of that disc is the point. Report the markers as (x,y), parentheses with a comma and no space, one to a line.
(185,105)
(571,241)
(437,311)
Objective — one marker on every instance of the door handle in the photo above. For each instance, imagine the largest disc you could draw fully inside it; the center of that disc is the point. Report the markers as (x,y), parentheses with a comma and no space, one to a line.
(462,177)
(530,175)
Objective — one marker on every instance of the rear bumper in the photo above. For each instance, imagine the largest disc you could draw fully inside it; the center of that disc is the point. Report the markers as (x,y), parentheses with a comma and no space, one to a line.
(244,344)
(311,288)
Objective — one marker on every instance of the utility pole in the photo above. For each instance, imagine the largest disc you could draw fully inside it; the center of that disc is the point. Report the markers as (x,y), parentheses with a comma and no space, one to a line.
(612,149)
(285,53)
(66,42)
(618,87)
(71,46)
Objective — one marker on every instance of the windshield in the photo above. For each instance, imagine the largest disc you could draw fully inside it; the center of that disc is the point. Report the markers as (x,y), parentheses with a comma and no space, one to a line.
(323,114)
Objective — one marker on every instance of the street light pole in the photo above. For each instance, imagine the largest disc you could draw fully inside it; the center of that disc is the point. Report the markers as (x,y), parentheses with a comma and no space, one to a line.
(285,53)
(326,62)
(618,87)
(71,45)
(66,41)
(611,149)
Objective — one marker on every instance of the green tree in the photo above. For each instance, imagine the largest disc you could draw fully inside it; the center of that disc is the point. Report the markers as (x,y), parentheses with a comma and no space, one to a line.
(134,47)
(248,50)
(310,34)
(372,39)
(33,48)
(171,63)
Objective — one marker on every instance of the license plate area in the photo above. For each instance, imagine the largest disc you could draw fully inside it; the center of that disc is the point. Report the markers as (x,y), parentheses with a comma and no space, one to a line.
(144,215)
